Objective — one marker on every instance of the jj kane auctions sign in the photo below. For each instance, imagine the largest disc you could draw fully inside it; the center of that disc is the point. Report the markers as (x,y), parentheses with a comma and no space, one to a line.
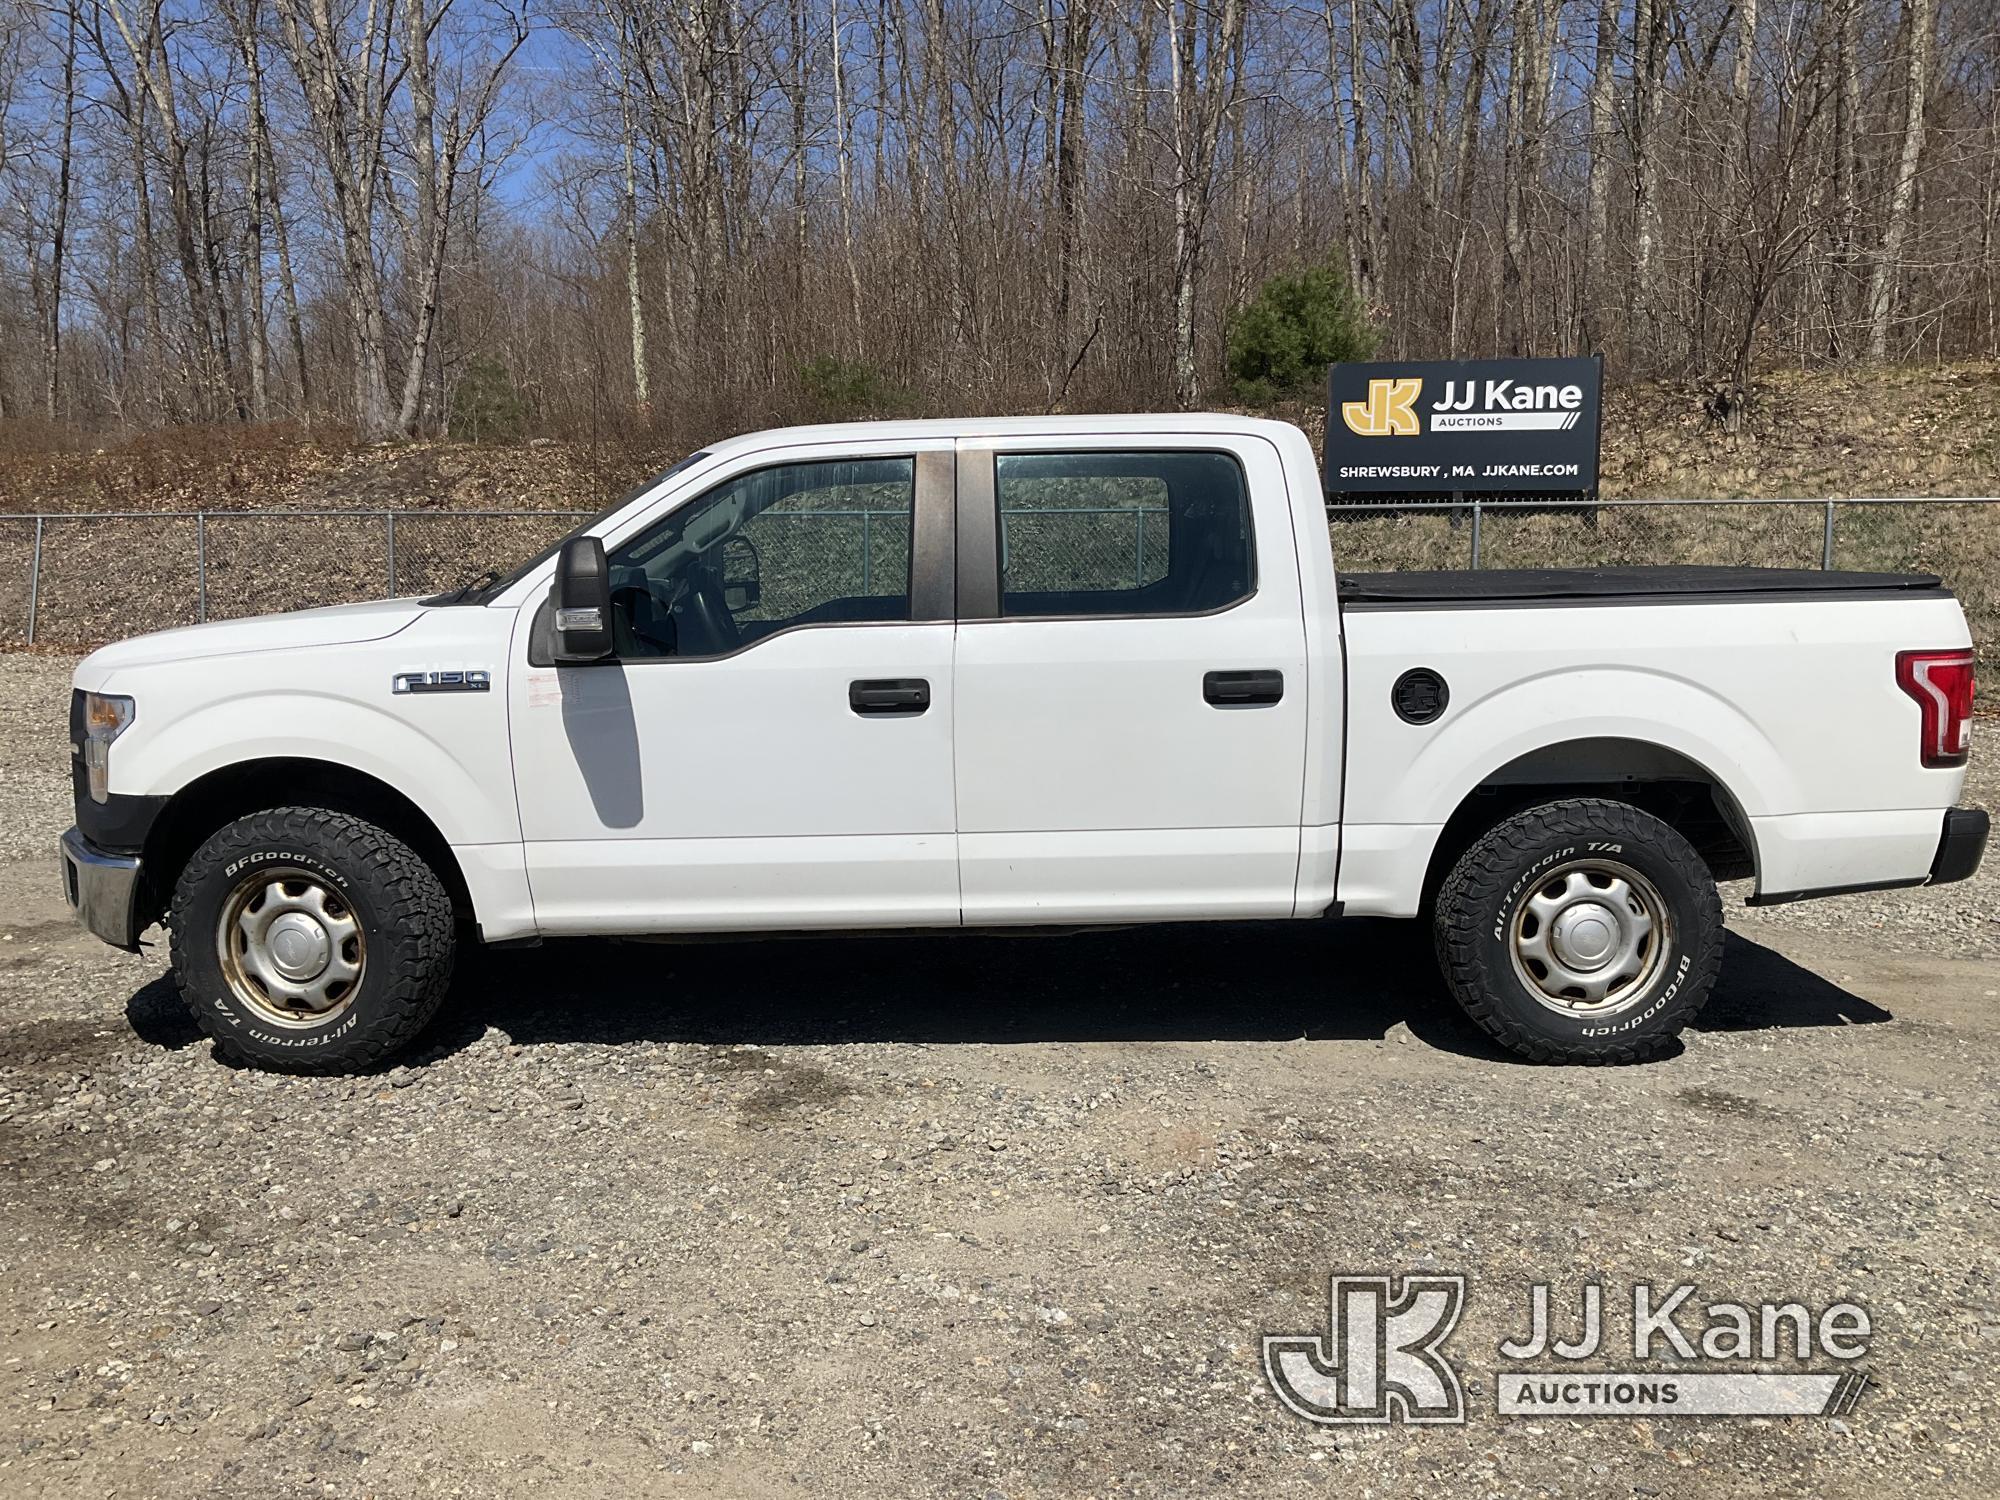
(1464,426)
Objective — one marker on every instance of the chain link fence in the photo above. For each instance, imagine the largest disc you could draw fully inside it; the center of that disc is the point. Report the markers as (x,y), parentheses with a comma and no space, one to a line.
(1957,539)
(82,579)
(807,556)
(1071,548)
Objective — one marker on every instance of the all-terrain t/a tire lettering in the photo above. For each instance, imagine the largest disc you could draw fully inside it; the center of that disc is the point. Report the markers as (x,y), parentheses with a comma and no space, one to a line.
(1580,931)
(310,941)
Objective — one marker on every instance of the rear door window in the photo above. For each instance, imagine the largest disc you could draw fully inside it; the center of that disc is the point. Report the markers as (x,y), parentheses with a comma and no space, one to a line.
(1122,533)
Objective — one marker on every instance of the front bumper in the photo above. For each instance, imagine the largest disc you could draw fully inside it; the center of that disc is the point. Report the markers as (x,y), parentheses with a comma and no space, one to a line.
(102,889)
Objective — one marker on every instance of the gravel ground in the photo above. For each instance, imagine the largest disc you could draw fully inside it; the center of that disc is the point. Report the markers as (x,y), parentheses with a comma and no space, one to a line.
(34,754)
(959,1217)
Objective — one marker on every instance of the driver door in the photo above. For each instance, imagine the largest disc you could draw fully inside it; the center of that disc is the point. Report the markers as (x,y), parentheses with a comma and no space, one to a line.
(771,744)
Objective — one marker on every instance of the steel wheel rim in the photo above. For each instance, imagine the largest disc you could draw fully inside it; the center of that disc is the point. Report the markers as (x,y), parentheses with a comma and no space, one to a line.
(291,947)
(1588,938)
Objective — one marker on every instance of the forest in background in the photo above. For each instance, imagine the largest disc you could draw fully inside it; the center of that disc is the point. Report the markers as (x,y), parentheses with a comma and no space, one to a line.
(407,218)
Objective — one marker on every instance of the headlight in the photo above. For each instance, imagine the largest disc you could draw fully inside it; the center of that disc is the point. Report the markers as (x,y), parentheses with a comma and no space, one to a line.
(105,717)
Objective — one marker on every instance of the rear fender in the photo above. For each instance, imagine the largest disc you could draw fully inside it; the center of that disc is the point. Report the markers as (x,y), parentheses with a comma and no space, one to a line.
(1477,739)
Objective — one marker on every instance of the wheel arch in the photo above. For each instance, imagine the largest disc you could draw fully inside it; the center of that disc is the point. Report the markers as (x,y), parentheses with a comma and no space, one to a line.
(221,796)
(1668,783)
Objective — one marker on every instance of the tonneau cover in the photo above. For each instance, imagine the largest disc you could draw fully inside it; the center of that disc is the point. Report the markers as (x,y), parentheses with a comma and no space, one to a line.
(1600,585)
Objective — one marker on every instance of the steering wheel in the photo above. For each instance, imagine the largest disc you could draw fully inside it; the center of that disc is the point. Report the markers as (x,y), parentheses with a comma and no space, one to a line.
(634,608)
(710,608)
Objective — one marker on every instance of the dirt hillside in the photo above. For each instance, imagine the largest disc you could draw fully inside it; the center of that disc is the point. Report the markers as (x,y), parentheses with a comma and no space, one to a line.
(1903,431)
(1908,431)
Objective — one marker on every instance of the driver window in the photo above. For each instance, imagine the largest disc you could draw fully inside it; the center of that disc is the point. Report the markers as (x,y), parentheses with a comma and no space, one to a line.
(798,544)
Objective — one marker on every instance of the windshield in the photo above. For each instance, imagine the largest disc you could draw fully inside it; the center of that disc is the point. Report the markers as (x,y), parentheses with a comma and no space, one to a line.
(487,584)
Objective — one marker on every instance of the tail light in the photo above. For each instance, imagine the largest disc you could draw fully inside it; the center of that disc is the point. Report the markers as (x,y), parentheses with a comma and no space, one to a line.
(1941,682)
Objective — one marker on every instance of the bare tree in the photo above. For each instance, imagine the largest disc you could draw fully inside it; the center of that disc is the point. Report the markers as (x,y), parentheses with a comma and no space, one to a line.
(1203,55)
(1071,57)
(1920,24)
(1528,106)
(973,204)
(243,22)
(439,146)
(145,37)
(59,228)
(1603,154)
(351,74)
(843,164)
(635,295)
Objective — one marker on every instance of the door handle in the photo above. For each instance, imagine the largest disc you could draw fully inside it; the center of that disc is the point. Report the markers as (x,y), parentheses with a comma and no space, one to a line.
(875,696)
(1242,689)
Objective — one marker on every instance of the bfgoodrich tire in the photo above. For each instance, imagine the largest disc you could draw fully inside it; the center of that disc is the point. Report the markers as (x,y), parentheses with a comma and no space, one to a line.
(1580,931)
(310,941)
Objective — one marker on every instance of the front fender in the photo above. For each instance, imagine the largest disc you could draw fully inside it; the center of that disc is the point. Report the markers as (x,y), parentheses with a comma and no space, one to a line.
(454,768)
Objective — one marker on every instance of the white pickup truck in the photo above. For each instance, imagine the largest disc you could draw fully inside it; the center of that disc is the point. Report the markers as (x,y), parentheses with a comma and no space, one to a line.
(1012,673)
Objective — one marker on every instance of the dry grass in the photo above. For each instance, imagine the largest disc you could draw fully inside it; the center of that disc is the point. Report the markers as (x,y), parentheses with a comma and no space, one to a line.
(1843,433)
(282,467)
(1959,543)
(1818,434)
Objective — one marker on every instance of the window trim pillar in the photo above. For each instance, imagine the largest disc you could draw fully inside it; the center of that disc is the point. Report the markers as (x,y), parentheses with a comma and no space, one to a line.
(934,588)
(978,533)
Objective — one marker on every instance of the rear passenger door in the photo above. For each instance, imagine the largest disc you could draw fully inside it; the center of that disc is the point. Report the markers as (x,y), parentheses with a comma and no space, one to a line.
(1130,678)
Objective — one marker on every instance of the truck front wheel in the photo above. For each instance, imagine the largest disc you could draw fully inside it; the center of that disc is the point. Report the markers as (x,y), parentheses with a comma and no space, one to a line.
(310,941)
(1580,931)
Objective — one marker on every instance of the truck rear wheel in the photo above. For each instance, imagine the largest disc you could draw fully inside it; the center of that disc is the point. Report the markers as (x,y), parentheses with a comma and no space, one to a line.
(310,941)
(1580,931)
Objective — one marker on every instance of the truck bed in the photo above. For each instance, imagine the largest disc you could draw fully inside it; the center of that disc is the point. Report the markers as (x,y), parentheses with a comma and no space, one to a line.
(1503,587)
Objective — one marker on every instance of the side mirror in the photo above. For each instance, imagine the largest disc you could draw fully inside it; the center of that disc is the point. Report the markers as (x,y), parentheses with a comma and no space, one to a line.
(582,599)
